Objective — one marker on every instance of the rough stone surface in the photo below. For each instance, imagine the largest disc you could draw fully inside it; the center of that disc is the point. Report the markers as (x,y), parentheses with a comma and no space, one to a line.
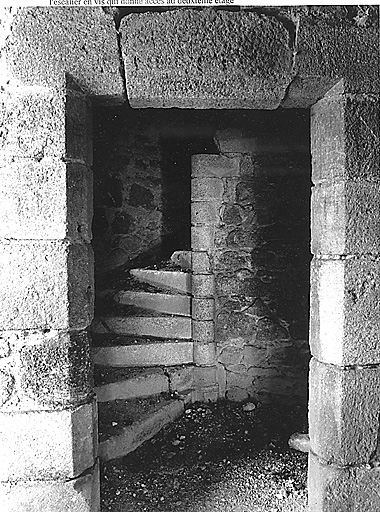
(56,368)
(328,48)
(203,285)
(345,311)
(58,41)
(42,122)
(214,166)
(157,354)
(206,189)
(48,200)
(201,263)
(345,134)
(78,495)
(174,327)
(47,445)
(203,330)
(203,309)
(342,210)
(45,284)
(204,353)
(235,59)
(174,280)
(344,414)
(334,489)
(6,387)
(172,304)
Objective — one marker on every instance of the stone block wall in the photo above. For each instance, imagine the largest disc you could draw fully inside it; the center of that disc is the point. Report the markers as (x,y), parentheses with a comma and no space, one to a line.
(250,237)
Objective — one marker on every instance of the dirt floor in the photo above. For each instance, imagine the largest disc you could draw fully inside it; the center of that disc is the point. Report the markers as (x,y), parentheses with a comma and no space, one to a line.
(223,457)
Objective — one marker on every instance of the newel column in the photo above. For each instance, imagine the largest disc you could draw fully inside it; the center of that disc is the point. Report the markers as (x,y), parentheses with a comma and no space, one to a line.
(345,304)
(48,434)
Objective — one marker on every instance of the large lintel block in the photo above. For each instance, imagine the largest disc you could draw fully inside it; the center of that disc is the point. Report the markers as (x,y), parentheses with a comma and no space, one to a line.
(345,311)
(48,445)
(344,409)
(45,285)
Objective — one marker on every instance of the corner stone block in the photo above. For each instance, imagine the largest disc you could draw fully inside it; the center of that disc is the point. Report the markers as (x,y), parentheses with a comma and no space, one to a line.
(45,284)
(214,166)
(203,285)
(345,311)
(47,200)
(344,409)
(46,123)
(203,331)
(346,218)
(203,309)
(202,238)
(204,212)
(46,44)
(329,53)
(81,494)
(56,368)
(243,60)
(48,445)
(204,354)
(206,189)
(333,489)
(201,262)
(345,132)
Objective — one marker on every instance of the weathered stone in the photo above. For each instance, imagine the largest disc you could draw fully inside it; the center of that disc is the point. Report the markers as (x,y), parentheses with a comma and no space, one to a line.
(345,132)
(236,59)
(141,196)
(45,284)
(77,495)
(269,330)
(201,262)
(328,53)
(202,238)
(204,376)
(48,200)
(339,212)
(48,445)
(203,309)
(232,214)
(230,356)
(204,212)
(214,166)
(203,285)
(174,327)
(56,42)
(204,350)
(334,489)
(203,331)
(45,123)
(344,414)
(56,367)
(345,311)
(122,223)
(247,236)
(206,189)
(171,304)
(174,280)
(183,259)
(6,387)
(5,348)
(231,260)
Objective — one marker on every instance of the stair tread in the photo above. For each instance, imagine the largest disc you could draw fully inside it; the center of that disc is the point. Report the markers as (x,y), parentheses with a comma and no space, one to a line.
(111,340)
(116,416)
(109,308)
(109,374)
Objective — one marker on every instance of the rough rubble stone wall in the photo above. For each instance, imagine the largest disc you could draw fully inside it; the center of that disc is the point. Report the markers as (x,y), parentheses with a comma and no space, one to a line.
(250,211)
(127,189)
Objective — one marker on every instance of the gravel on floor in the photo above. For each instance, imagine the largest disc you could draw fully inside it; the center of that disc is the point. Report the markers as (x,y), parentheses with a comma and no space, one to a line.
(220,457)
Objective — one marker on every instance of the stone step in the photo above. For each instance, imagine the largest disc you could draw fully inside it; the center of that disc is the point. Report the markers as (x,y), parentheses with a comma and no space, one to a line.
(131,352)
(159,326)
(159,302)
(122,383)
(164,279)
(126,424)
